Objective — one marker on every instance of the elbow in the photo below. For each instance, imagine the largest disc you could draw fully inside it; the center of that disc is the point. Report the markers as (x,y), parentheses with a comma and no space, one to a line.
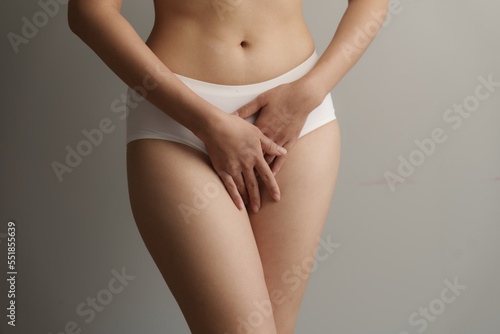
(85,15)
(81,14)
(75,16)
(73,26)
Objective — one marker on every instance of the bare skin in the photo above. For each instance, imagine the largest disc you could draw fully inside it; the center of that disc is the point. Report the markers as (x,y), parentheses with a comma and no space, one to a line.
(224,262)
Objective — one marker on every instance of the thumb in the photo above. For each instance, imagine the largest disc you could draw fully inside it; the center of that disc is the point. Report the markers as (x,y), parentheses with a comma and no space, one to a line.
(248,109)
(270,147)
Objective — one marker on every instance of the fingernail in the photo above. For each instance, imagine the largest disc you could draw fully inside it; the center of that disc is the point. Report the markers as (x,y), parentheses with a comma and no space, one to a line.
(241,205)
(281,150)
(255,208)
(276,197)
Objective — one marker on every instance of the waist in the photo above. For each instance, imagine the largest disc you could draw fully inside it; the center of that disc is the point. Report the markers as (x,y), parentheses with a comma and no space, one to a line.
(230,53)
(248,91)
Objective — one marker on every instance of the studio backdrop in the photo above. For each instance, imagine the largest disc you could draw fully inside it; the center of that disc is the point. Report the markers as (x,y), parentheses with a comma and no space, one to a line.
(412,240)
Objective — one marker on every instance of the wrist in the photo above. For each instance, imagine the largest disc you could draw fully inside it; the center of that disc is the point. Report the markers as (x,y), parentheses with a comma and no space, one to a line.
(209,123)
(315,88)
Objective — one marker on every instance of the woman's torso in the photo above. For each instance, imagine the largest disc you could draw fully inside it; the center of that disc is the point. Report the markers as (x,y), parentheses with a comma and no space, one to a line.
(231,42)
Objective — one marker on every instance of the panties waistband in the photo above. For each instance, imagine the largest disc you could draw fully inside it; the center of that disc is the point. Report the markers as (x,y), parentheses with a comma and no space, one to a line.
(203,87)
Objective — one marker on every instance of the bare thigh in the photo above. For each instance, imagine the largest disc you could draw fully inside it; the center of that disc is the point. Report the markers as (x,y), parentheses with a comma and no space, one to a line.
(287,232)
(202,244)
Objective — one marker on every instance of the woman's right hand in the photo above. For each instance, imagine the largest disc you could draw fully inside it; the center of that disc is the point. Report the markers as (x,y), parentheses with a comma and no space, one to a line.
(236,149)
(235,146)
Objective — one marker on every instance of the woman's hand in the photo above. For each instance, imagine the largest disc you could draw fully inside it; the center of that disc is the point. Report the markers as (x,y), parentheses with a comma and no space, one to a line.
(236,149)
(283,112)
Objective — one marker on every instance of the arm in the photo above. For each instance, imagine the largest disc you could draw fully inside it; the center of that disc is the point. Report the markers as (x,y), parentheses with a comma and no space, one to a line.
(285,108)
(357,29)
(235,147)
(101,26)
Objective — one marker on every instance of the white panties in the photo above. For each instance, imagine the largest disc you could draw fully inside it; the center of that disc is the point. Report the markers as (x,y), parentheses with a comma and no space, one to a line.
(146,120)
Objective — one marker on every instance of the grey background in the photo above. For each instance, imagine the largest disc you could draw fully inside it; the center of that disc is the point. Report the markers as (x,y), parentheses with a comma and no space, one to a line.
(397,247)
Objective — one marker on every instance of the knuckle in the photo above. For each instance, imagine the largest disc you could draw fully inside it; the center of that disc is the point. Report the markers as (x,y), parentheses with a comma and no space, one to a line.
(267,179)
(252,185)
(243,111)
(236,198)
(246,110)
(249,163)
(240,187)
(243,192)
(223,175)
(254,196)
(269,158)
(266,131)
(230,186)
(232,167)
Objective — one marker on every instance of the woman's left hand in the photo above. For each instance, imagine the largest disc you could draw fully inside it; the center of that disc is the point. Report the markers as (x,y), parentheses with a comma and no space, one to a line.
(283,113)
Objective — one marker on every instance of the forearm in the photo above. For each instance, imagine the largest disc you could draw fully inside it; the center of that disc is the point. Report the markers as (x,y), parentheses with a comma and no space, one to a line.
(113,39)
(357,29)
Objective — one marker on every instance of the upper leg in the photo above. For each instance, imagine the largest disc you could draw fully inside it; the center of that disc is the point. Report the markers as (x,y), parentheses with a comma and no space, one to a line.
(202,244)
(287,232)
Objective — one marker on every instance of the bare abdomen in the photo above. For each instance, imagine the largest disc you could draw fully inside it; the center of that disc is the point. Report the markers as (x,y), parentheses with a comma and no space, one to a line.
(232,42)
